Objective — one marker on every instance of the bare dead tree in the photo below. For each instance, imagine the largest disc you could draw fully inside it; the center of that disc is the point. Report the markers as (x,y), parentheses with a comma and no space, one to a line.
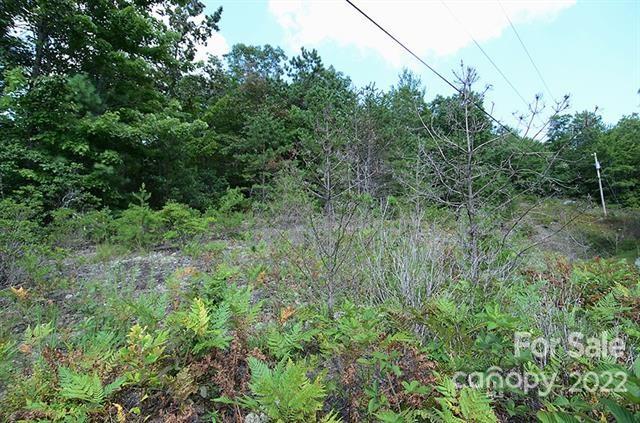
(472,168)
(328,164)
(328,236)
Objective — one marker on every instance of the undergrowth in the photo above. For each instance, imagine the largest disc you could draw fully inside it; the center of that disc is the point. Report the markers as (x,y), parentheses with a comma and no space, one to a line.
(243,335)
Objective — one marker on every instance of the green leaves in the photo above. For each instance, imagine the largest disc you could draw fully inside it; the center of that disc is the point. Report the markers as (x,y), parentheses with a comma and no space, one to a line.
(197,320)
(621,414)
(286,344)
(556,417)
(466,405)
(85,387)
(210,329)
(285,393)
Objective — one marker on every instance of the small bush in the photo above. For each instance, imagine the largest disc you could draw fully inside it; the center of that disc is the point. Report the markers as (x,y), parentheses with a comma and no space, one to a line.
(183,223)
(230,212)
(70,229)
(20,238)
(138,227)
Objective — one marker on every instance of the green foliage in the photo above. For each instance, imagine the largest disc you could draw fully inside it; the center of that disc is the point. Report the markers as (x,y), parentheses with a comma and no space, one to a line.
(85,120)
(8,351)
(406,416)
(209,329)
(286,344)
(183,223)
(138,226)
(20,235)
(142,353)
(285,393)
(70,229)
(214,334)
(85,388)
(466,405)
(619,152)
(78,394)
(229,212)
(245,310)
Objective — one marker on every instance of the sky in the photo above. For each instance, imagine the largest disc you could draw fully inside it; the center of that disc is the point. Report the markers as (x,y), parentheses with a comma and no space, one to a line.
(588,49)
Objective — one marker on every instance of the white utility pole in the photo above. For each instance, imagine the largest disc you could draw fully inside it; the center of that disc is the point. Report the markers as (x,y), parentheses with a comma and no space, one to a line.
(604,208)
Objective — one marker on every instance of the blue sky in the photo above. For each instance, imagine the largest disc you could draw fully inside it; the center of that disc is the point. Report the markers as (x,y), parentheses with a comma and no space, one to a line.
(588,49)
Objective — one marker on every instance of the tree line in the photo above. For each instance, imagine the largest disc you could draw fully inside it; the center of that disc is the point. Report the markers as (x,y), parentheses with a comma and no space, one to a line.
(102,96)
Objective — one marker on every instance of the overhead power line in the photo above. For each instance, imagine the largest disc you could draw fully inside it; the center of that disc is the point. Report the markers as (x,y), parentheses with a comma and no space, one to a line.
(438,74)
(524,47)
(526,103)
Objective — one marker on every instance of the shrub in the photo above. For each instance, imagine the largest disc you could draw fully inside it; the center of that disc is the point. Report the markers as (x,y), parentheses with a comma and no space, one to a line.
(182,222)
(138,227)
(20,237)
(229,214)
(69,229)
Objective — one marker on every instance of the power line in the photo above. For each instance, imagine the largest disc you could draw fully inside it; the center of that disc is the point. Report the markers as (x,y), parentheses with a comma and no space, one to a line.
(486,55)
(370,19)
(527,51)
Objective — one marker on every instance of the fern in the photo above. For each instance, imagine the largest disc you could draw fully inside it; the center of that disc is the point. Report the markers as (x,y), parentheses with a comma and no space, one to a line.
(285,345)
(245,312)
(468,405)
(85,388)
(143,346)
(39,336)
(555,417)
(607,309)
(475,406)
(208,326)
(197,319)
(7,352)
(217,334)
(285,393)
(406,416)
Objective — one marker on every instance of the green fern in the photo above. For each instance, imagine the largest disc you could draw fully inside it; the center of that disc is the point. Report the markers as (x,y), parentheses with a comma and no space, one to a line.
(468,405)
(245,312)
(405,416)
(475,406)
(216,336)
(197,319)
(85,388)
(555,417)
(285,393)
(606,310)
(208,326)
(286,344)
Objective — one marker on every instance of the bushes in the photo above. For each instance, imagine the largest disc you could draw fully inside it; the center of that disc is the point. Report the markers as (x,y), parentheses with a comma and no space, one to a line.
(230,212)
(20,242)
(182,223)
(244,334)
(140,227)
(137,227)
(72,229)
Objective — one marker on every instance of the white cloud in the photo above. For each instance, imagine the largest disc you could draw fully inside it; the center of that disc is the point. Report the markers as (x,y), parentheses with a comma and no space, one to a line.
(427,27)
(216,45)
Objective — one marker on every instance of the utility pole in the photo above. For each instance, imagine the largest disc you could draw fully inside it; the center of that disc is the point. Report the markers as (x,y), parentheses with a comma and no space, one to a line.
(604,208)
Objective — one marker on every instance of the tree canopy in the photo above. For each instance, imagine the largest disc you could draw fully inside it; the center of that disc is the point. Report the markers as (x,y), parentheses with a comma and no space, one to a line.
(101,96)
